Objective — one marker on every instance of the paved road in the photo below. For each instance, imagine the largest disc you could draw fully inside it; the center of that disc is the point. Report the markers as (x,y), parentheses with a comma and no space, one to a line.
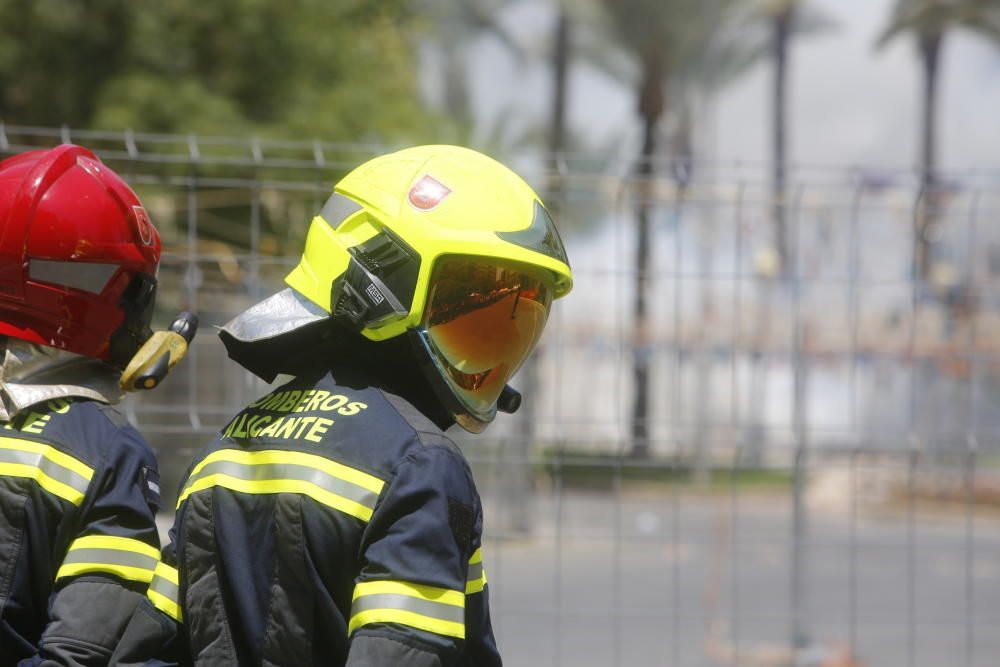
(604,585)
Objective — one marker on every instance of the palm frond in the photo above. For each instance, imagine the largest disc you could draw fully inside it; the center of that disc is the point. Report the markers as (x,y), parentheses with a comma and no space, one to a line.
(935,17)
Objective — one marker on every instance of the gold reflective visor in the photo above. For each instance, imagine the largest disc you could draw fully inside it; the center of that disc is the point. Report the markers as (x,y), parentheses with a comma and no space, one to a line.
(482,320)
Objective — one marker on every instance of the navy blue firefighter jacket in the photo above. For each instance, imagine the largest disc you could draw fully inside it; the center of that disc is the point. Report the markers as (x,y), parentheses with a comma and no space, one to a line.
(78,542)
(326,524)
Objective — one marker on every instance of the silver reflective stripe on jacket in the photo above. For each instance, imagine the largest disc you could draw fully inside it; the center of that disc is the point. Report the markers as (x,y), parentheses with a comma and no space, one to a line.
(57,472)
(31,374)
(428,608)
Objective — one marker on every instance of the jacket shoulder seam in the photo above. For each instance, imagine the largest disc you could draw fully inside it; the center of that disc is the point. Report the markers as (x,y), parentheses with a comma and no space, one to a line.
(448,447)
(417,429)
(114,417)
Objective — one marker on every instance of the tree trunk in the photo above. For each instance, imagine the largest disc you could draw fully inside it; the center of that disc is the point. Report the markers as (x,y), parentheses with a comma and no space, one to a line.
(929,45)
(518,484)
(781,29)
(560,66)
(456,85)
(651,106)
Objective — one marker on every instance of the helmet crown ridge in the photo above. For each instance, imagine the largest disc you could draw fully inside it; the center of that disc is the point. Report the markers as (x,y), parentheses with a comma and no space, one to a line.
(472,192)
(74,240)
(479,206)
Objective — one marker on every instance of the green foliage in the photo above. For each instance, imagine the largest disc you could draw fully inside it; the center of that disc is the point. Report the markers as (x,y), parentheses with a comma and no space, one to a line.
(341,70)
(660,33)
(928,18)
(587,470)
(158,104)
(54,54)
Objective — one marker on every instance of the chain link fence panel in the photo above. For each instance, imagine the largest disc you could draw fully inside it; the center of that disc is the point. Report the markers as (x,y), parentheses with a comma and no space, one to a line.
(817,475)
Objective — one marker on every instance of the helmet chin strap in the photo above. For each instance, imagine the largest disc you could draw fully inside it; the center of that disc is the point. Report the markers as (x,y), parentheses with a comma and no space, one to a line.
(160,353)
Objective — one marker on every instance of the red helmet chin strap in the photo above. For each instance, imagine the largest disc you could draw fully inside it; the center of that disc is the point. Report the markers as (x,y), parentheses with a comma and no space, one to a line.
(78,255)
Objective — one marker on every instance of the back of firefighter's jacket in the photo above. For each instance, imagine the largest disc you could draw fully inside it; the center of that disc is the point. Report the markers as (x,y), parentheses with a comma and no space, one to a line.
(78,542)
(326,524)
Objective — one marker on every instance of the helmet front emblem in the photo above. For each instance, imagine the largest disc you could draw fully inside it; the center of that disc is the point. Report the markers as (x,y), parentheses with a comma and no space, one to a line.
(427,193)
(143,225)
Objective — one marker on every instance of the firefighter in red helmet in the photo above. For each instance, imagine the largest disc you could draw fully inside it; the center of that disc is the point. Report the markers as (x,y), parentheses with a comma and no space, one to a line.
(78,485)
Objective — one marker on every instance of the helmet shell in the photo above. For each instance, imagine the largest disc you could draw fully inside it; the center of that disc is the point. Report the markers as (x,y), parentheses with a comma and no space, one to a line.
(439,200)
(73,237)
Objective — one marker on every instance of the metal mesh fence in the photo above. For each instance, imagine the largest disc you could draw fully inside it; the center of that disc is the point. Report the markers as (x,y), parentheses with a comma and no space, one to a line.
(820,483)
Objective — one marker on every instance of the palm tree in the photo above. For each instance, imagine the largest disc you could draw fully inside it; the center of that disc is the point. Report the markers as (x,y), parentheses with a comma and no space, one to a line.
(781,14)
(662,38)
(519,481)
(783,20)
(929,21)
(455,24)
(561,41)
(649,29)
(677,51)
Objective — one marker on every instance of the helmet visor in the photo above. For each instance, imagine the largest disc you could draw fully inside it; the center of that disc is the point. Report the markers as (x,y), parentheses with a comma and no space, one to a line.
(482,320)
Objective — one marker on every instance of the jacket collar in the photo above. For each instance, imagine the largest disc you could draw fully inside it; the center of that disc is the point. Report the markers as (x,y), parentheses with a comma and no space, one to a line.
(31,374)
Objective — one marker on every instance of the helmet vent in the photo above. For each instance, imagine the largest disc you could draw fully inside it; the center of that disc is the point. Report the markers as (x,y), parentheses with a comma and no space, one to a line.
(367,261)
(541,236)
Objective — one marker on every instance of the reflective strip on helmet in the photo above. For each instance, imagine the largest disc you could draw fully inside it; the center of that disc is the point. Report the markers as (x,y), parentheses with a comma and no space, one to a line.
(275,471)
(164,591)
(57,472)
(477,573)
(87,276)
(338,208)
(121,556)
(437,610)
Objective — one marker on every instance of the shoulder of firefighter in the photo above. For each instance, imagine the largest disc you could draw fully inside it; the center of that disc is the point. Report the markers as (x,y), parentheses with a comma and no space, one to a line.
(325,525)
(78,542)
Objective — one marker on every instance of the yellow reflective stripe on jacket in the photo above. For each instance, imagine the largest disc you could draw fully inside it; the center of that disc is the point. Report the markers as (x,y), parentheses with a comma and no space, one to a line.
(437,610)
(121,556)
(477,573)
(57,472)
(164,591)
(277,471)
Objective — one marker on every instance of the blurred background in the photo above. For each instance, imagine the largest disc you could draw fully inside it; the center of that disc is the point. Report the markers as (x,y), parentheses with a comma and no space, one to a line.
(764,429)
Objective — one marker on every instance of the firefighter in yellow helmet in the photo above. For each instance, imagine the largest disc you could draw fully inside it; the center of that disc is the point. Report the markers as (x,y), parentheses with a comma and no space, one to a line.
(332,522)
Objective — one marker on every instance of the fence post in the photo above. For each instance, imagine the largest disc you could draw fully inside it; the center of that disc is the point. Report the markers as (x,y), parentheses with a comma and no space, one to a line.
(193,276)
(799,633)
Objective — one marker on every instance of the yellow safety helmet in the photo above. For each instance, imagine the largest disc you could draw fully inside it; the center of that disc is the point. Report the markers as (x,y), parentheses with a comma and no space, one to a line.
(440,243)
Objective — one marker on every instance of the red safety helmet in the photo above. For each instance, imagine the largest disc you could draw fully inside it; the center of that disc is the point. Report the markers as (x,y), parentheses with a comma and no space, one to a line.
(78,255)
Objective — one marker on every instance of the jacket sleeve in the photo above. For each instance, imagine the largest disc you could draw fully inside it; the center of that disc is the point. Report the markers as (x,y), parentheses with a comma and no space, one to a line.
(155,635)
(481,646)
(409,601)
(110,561)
